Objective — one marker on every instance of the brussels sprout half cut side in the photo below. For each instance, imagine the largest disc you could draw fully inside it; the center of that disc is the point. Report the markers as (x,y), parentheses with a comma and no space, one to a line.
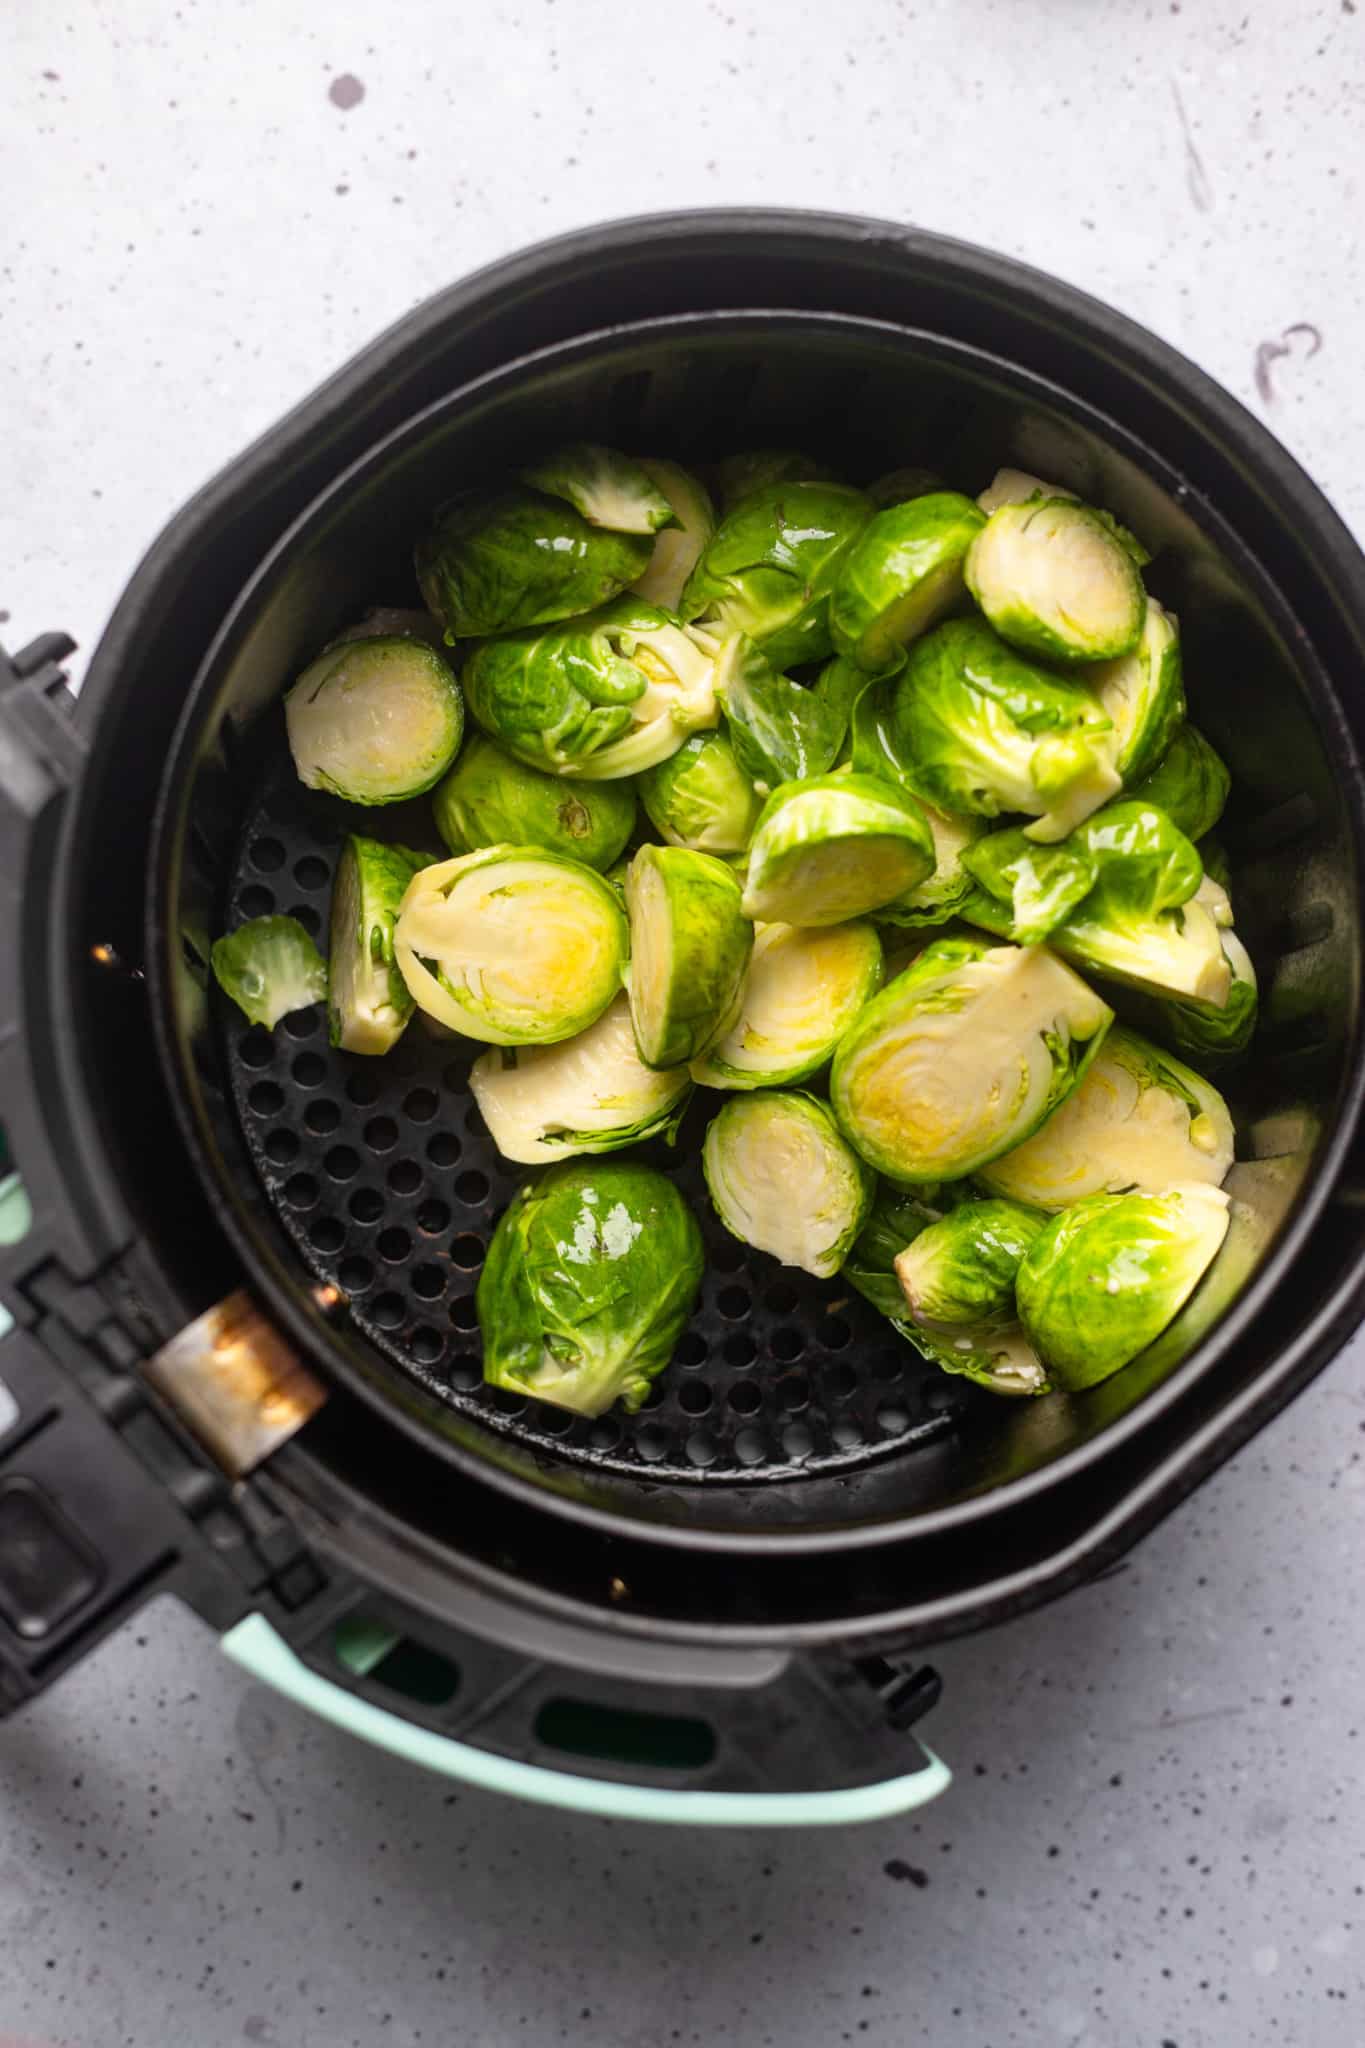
(375,720)
(490,799)
(962,1056)
(803,991)
(608,489)
(511,945)
(495,562)
(770,565)
(368,1001)
(589,1281)
(700,797)
(1106,1276)
(1054,579)
(592,1093)
(901,574)
(784,1179)
(1017,487)
(834,848)
(678,547)
(689,946)
(1209,1034)
(1142,694)
(270,967)
(960,1272)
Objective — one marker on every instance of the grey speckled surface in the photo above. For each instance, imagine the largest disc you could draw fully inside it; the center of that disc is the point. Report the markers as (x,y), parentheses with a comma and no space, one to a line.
(1157,1832)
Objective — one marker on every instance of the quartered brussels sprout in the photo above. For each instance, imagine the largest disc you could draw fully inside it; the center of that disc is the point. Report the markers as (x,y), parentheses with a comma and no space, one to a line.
(1206,1033)
(1107,1275)
(961,1270)
(898,486)
(942,894)
(902,573)
(676,547)
(1055,578)
(498,561)
(369,1002)
(1139,1120)
(608,489)
(757,469)
(833,848)
(962,1056)
(599,698)
(770,565)
(1142,922)
(983,730)
(375,720)
(1017,487)
(270,967)
(511,945)
(588,1284)
(701,797)
(784,1179)
(781,731)
(689,947)
(1142,695)
(1189,783)
(592,1093)
(1036,886)
(490,799)
(803,990)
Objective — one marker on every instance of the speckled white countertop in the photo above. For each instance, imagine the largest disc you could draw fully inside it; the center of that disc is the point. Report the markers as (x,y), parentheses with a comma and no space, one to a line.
(1156,1838)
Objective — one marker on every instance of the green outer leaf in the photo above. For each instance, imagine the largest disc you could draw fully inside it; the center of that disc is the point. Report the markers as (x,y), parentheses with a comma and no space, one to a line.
(270,967)
(369,1002)
(690,945)
(495,562)
(1028,534)
(895,1221)
(781,730)
(901,574)
(757,469)
(589,1281)
(1190,783)
(785,1227)
(806,835)
(491,799)
(1144,694)
(1037,885)
(358,676)
(961,1270)
(608,488)
(770,565)
(747,1056)
(701,797)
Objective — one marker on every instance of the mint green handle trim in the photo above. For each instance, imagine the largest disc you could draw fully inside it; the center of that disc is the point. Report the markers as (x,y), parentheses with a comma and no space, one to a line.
(256,1646)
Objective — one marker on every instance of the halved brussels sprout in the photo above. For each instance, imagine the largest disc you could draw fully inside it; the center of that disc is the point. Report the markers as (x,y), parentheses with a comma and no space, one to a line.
(689,946)
(1037,886)
(898,486)
(1054,578)
(781,731)
(369,1002)
(678,547)
(1142,922)
(894,1221)
(607,488)
(700,797)
(1203,1032)
(962,1056)
(589,1281)
(770,565)
(803,990)
(940,895)
(270,967)
(1142,695)
(757,469)
(961,1269)
(1017,487)
(833,848)
(1107,1275)
(901,574)
(592,1093)
(784,1179)
(982,730)
(375,720)
(511,945)
(1139,1120)
(498,561)
(599,698)
(1189,783)
(490,799)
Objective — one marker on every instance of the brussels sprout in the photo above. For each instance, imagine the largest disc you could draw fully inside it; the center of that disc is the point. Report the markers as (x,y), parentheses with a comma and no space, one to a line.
(1189,783)
(895,1220)
(898,486)
(1054,579)
(511,945)
(490,799)
(1017,487)
(781,730)
(497,561)
(803,990)
(1214,855)
(616,876)
(1204,1032)
(942,894)
(962,1056)
(770,565)
(1142,922)
(835,847)
(1038,886)
(757,469)
(689,947)
(270,967)
(677,547)
(608,489)
(1107,1275)
(592,1093)
(982,730)
(784,1180)
(1142,695)
(961,1270)
(375,720)
(589,1281)
(602,697)
(1139,1119)
(901,574)
(368,1000)
(700,797)
(394,622)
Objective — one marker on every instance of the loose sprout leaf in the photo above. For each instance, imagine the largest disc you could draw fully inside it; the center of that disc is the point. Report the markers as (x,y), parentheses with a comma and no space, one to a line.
(1054,580)
(689,948)
(1142,694)
(592,1093)
(1190,783)
(1037,885)
(375,720)
(498,561)
(678,547)
(781,731)
(369,1002)
(700,797)
(901,575)
(609,489)
(768,569)
(491,799)
(835,847)
(960,1272)
(270,967)
(784,1179)
(802,991)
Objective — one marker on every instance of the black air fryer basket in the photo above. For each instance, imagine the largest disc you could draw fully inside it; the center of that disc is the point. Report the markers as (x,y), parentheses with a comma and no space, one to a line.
(724,1595)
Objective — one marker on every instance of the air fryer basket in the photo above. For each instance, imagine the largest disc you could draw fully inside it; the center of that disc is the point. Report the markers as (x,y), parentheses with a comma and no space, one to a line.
(791,1411)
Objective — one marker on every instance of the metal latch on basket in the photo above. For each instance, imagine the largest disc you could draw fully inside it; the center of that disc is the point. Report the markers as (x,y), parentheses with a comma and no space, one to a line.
(235,1383)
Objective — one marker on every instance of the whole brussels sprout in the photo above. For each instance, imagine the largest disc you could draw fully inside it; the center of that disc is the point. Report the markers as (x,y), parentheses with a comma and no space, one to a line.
(592,1093)
(770,565)
(784,1180)
(803,990)
(833,848)
(960,1271)
(700,797)
(902,573)
(270,967)
(511,945)
(490,799)
(498,561)
(781,730)
(368,1001)
(588,1284)
(1143,695)
(689,948)
(375,720)
(1103,1280)
(677,547)
(1189,783)
(609,489)
(1055,579)
(757,469)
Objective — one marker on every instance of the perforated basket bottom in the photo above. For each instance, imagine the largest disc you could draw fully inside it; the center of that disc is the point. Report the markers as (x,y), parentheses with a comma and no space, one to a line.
(383,1174)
